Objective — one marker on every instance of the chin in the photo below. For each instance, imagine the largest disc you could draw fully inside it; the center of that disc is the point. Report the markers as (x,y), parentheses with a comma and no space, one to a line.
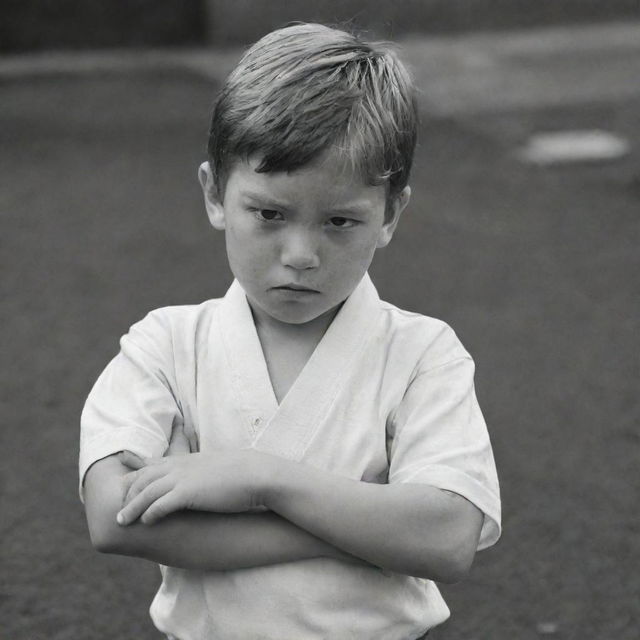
(296,318)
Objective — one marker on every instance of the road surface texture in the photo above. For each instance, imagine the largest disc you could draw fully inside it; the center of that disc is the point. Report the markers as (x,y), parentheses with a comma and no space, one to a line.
(536,267)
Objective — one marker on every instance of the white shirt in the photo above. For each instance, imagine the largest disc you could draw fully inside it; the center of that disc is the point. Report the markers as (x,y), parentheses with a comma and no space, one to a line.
(387,396)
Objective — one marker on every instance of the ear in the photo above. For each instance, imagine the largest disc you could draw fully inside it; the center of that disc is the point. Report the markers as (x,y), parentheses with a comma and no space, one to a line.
(215,209)
(398,205)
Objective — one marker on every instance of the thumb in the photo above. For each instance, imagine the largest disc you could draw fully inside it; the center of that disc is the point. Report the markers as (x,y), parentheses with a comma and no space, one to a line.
(131,460)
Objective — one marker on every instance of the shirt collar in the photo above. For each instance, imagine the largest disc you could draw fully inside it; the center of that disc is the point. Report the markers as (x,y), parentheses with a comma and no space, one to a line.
(287,429)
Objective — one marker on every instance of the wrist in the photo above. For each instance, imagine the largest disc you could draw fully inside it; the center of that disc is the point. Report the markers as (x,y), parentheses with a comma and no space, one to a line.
(264,468)
(270,479)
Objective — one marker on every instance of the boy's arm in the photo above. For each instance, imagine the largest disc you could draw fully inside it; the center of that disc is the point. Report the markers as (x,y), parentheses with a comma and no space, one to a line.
(190,539)
(414,529)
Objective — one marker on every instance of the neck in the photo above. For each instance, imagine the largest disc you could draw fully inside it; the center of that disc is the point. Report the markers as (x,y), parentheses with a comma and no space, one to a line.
(311,331)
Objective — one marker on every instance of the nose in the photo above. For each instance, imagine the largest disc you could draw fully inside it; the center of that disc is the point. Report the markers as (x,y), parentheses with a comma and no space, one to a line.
(300,250)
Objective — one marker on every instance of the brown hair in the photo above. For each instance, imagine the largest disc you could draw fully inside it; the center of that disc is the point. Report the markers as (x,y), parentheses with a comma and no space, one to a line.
(306,88)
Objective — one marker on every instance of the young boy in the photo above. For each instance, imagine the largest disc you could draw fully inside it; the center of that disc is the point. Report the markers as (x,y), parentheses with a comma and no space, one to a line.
(302,458)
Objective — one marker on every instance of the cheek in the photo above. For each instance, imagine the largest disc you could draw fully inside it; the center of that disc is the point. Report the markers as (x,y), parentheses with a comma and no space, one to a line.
(357,253)
(349,262)
(247,253)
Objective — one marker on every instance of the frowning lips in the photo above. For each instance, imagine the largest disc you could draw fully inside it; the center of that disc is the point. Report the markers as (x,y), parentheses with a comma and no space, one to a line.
(292,286)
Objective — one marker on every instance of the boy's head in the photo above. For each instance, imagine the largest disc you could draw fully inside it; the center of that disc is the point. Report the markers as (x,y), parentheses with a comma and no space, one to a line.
(306,89)
(310,150)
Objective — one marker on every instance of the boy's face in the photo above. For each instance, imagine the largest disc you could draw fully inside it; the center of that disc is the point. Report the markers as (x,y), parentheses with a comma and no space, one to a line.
(300,242)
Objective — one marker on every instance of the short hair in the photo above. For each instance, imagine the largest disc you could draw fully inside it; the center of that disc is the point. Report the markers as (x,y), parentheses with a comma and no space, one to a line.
(306,88)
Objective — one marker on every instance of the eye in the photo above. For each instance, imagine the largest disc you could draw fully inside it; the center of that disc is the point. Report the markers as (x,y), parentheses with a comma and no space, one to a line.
(340,222)
(267,215)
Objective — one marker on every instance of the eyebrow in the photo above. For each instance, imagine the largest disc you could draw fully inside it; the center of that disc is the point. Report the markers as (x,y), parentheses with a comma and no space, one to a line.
(358,207)
(353,208)
(265,200)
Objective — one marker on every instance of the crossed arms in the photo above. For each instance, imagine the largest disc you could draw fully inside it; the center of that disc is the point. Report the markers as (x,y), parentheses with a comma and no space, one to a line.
(190,510)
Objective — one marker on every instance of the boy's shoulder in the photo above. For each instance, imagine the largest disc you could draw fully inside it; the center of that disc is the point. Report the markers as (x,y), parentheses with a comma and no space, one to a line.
(170,326)
(432,340)
(183,313)
(403,333)
(174,317)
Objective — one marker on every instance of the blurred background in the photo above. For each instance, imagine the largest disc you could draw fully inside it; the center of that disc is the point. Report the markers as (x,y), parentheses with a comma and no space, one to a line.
(522,234)
(45,24)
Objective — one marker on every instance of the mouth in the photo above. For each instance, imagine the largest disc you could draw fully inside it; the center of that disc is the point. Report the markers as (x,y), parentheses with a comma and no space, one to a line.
(295,287)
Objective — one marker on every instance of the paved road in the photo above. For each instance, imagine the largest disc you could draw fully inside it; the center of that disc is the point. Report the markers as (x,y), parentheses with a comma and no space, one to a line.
(464,74)
(536,268)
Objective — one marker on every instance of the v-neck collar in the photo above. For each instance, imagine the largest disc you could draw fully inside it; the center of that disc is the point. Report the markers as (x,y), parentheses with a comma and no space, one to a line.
(286,429)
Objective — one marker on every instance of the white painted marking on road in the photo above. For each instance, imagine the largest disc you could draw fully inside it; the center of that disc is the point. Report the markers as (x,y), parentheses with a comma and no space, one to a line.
(547,628)
(561,147)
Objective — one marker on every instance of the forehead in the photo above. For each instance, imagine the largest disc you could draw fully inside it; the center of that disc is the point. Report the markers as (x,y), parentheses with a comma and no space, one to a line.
(330,181)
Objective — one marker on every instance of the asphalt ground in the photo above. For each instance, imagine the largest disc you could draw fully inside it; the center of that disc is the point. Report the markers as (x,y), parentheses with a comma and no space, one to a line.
(535,267)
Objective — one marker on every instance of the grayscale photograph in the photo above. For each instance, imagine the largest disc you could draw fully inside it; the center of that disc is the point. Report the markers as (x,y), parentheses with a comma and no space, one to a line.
(320,320)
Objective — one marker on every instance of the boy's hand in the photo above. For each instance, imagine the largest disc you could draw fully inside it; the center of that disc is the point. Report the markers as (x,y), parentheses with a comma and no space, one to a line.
(222,482)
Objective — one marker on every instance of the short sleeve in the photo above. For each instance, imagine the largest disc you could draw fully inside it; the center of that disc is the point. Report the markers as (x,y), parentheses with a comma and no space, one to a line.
(439,437)
(133,404)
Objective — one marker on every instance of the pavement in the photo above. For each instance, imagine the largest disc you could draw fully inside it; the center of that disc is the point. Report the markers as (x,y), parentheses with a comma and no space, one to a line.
(484,72)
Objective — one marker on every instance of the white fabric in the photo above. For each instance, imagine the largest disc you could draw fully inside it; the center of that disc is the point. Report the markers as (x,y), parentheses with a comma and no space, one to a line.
(387,396)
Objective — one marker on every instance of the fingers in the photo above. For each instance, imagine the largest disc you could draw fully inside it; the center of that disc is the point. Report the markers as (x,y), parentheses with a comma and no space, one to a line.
(137,481)
(168,503)
(131,460)
(134,461)
(141,503)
